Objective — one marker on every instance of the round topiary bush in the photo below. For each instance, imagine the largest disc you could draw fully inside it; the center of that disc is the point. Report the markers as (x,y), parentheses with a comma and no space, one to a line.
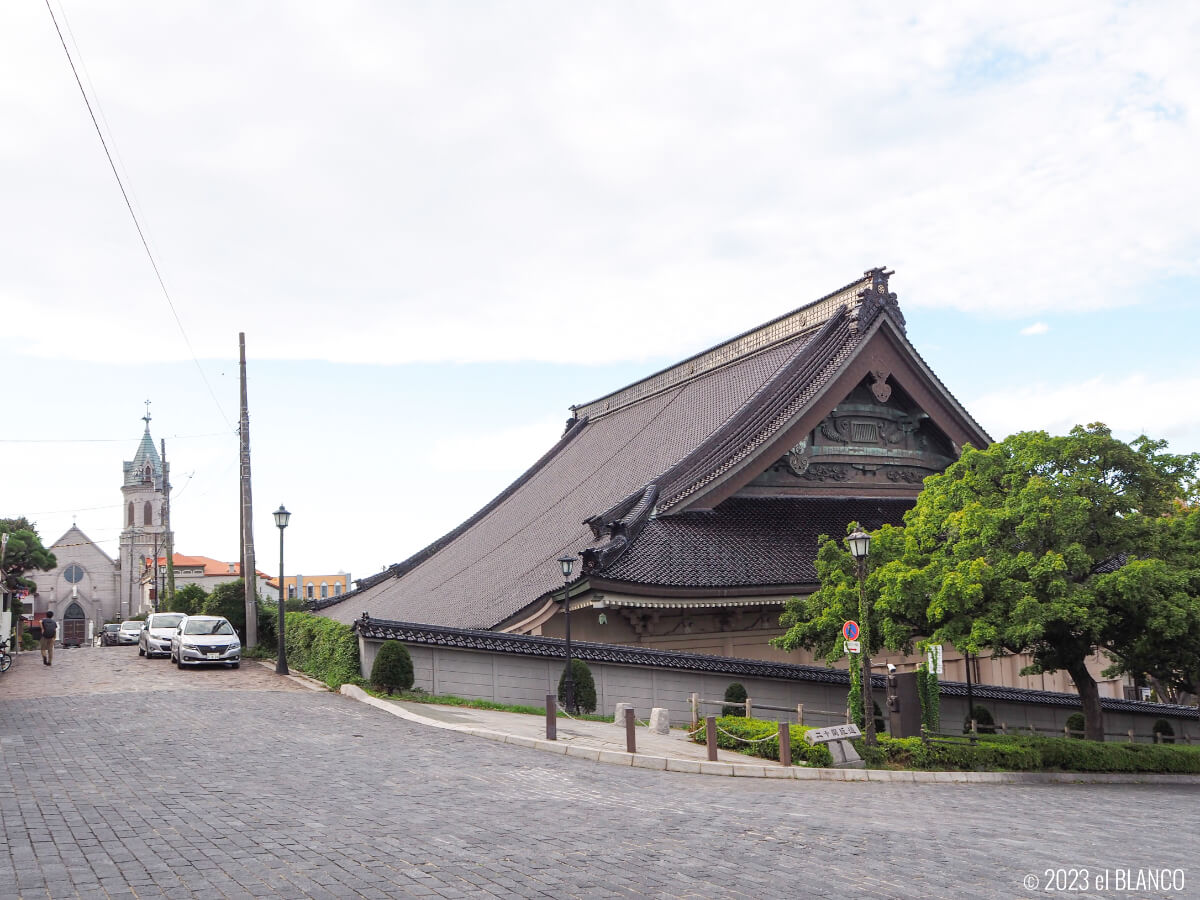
(585,687)
(1075,724)
(1163,732)
(735,693)
(393,668)
(984,723)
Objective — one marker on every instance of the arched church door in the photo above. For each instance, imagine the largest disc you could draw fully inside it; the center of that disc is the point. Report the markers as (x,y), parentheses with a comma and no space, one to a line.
(73,626)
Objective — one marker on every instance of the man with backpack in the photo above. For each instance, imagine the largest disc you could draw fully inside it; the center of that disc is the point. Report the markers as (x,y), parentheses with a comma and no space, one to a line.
(49,630)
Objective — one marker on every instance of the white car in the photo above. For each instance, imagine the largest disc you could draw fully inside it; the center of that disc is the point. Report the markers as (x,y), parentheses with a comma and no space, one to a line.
(155,639)
(130,631)
(205,639)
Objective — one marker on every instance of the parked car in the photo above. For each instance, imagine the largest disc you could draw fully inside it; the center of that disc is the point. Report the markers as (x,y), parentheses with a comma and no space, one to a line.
(155,638)
(129,632)
(206,639)
(109,634)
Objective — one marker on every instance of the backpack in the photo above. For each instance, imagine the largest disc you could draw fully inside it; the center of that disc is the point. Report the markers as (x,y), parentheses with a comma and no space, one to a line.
(49,628)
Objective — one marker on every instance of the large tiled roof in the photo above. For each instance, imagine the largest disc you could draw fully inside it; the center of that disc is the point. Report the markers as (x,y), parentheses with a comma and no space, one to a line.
(640,455)
(746,541)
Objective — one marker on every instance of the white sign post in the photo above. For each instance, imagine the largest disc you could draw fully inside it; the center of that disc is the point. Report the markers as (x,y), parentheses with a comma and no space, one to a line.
(933,657)
(853,647)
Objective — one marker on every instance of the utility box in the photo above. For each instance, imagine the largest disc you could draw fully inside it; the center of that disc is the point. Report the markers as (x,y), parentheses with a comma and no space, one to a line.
(904,705)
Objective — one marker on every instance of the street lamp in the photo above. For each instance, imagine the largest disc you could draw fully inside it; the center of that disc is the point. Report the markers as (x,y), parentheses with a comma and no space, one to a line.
(281,666)
(860,547)
(567,563)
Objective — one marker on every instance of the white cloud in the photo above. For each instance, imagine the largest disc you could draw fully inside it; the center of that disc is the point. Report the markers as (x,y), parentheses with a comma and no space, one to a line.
(382,183)
(1136,404)
(1035,328)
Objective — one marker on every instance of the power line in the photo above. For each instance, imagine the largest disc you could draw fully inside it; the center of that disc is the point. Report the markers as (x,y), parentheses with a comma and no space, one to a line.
(136,224)
(173,437)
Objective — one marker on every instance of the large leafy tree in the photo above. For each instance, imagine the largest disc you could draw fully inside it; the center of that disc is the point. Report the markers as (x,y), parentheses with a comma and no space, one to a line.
(23,553)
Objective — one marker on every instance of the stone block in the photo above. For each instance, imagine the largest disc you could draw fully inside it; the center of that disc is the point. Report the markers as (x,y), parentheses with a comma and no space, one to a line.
(660,720)
(619,714)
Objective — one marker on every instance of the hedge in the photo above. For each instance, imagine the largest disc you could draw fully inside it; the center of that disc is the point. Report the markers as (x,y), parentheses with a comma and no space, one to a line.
(1011,753)
(1027,753)
(755,730)
(320,647)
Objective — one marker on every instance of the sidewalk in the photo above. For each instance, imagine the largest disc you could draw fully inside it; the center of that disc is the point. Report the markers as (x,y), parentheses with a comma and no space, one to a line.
(604,742)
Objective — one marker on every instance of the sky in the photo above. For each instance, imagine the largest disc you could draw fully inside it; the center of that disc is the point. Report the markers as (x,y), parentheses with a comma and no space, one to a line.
(440,225)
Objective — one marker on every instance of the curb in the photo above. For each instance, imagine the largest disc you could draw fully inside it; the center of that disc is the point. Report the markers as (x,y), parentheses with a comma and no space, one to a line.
(794,773)
(298,677)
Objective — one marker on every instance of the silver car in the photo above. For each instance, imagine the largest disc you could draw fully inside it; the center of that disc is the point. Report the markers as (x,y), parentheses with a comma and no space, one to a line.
(130,631)
(205,639)
(155,639)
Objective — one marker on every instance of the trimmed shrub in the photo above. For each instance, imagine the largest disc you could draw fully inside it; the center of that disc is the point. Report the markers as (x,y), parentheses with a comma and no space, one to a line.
(1075,725)
(735,693)
(1164,732)
(585,686)
(732,728)
(393,668)
(984,723)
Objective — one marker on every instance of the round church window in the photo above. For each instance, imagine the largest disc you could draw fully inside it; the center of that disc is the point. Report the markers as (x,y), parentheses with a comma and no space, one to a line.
(73,573)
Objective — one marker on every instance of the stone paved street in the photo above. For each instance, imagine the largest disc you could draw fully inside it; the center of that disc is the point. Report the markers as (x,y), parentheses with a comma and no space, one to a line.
(128,778)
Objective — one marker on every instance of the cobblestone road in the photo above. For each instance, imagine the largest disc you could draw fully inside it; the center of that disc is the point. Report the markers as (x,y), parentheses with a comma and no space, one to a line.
(128,778)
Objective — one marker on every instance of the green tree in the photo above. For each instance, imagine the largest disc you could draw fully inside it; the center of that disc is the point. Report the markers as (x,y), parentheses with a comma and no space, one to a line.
(735,694)
(23,553)
(229,600)
(189,600)
(585,686)
(393,668)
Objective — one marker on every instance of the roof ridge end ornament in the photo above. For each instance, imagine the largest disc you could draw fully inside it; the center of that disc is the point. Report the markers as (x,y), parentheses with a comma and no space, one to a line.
(873,298)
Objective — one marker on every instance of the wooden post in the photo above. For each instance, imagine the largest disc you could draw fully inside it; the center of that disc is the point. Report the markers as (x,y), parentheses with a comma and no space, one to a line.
(1004,728)
(748,708)
(630,735)
(785,744)
(551,717)
(799,713)
(1131,735)
(710,737)
(695,710)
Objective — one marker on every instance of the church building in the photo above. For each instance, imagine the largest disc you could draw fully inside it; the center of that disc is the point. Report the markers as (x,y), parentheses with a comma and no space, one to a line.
(692,500)
(88,587)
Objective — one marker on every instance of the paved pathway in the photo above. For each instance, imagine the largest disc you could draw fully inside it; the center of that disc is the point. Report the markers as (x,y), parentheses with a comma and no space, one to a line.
(128,778)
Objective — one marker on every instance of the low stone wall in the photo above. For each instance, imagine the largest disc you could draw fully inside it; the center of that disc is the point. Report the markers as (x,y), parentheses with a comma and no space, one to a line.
(508,677)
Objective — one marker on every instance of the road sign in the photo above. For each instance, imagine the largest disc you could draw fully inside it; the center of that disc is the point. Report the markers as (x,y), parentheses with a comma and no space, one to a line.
(853,647)
(850,630)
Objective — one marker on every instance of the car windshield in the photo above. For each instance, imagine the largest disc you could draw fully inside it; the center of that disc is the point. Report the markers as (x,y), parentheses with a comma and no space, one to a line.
(112,627)
(166,621)
(130,626)
(207,626)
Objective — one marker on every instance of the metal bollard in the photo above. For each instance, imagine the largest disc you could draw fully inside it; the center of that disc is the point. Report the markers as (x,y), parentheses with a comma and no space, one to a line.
(785,744)
(710,737)
(630,736)
(551,717)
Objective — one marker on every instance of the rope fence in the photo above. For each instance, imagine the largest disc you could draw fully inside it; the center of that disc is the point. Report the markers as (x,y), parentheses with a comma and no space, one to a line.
(839,717)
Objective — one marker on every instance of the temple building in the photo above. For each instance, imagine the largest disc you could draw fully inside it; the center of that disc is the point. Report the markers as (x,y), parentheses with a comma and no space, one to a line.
(694,498)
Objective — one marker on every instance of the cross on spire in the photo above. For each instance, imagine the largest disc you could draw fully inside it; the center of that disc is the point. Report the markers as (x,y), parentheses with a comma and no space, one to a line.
(146,417)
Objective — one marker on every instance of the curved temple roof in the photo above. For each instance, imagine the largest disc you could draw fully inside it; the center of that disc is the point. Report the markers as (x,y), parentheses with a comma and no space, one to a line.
(651,463)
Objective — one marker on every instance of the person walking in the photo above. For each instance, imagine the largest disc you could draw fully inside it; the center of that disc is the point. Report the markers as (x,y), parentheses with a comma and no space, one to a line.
(49,630)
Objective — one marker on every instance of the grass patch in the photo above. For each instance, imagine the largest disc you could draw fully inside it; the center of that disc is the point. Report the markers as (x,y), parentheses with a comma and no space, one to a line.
(419,696)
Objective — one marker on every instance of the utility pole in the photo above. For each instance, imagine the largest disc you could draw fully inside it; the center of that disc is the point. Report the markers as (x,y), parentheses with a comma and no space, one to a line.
(248,568)
(169,547)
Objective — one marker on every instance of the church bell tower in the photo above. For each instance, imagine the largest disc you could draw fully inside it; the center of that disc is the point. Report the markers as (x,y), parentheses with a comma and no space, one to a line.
(145,491)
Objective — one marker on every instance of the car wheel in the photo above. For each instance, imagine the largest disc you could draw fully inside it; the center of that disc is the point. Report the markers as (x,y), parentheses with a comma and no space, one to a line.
(141,652)
(178,662)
